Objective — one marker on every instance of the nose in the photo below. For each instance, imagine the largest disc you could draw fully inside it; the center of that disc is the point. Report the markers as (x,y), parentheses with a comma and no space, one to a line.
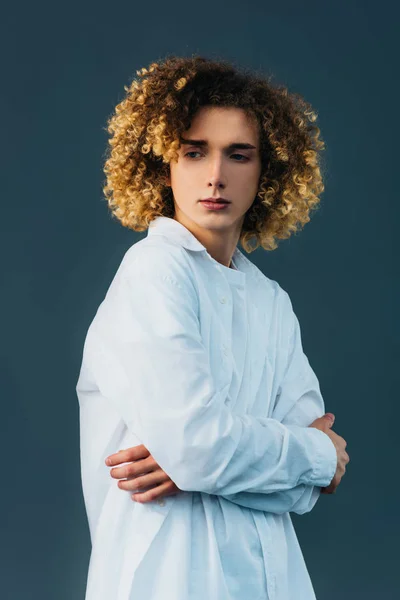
(216,178)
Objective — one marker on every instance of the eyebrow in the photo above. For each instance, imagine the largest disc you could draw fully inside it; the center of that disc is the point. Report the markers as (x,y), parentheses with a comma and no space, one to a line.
(236,145)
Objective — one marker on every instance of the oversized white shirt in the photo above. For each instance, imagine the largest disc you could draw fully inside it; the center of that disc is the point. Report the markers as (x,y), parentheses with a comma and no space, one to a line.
(204,365)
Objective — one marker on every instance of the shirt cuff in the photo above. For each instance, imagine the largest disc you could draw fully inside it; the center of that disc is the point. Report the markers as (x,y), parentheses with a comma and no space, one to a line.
(326,459)
(322,452)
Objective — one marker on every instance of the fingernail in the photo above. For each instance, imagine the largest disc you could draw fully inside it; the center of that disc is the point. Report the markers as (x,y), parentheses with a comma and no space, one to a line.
(108,461)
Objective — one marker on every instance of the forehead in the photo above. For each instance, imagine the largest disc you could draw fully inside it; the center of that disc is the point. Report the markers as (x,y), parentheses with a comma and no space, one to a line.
(216,122)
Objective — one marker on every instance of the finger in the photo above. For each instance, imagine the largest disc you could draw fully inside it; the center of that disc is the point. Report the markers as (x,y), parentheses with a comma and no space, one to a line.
(135,468)
(130,454)
(143,481)
(133,453)
(157,492)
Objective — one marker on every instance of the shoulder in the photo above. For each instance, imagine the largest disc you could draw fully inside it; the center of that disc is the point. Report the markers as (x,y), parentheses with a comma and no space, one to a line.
(271,292)
(275,302)
(157,258)
(156,267)
(152,279)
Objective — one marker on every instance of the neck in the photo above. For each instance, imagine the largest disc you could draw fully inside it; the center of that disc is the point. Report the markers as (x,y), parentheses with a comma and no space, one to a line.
(220,244)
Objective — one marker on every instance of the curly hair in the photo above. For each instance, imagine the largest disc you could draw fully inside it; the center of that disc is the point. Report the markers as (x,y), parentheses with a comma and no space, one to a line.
(159,106)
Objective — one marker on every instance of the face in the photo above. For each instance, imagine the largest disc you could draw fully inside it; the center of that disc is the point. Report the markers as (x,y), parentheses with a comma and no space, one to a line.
(219,157)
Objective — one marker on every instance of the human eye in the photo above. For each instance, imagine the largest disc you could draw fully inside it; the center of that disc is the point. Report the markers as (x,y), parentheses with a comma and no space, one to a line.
(242,156)
(192,152)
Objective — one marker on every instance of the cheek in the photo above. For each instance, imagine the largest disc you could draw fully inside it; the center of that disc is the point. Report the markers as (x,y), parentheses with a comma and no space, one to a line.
(183,178)
(248,182)
(183,187)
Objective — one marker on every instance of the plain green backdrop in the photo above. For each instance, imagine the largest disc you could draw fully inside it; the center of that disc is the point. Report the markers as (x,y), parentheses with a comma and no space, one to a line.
(64,67)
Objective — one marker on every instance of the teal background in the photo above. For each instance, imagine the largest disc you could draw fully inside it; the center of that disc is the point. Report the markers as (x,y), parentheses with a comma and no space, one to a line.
(63,71)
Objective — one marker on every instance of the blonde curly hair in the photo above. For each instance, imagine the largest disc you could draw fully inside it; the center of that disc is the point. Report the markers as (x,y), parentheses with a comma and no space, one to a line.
(158,108)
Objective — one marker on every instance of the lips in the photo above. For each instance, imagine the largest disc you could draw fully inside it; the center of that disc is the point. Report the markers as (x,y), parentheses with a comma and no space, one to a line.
(216,200)
(214,205)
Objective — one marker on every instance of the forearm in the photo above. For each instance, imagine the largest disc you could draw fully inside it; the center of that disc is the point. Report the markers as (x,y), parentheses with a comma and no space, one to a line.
(300,499)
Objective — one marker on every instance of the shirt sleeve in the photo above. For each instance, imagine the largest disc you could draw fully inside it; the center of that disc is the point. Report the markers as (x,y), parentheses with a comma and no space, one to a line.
(148,358)
(298,402)
(299,499)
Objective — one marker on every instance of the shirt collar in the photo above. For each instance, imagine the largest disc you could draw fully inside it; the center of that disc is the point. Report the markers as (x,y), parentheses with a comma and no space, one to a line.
(173,229)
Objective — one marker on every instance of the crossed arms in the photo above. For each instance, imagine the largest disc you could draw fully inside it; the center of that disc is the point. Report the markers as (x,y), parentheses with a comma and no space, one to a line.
(146,353)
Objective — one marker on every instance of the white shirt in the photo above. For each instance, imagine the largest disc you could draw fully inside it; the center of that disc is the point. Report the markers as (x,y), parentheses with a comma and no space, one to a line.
(203,364)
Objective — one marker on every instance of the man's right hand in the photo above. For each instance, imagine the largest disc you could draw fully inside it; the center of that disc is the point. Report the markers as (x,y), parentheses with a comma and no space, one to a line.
(324,424)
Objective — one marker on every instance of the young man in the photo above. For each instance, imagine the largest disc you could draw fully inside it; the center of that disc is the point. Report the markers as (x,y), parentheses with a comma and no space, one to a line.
(193,362)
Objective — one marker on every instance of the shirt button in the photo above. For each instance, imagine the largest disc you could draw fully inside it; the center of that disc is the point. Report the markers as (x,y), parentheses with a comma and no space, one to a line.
(161,502)
(222,299)
(224,349)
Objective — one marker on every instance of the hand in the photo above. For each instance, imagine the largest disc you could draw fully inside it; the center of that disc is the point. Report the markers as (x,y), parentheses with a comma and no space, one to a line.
(142,472)
(324,424)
